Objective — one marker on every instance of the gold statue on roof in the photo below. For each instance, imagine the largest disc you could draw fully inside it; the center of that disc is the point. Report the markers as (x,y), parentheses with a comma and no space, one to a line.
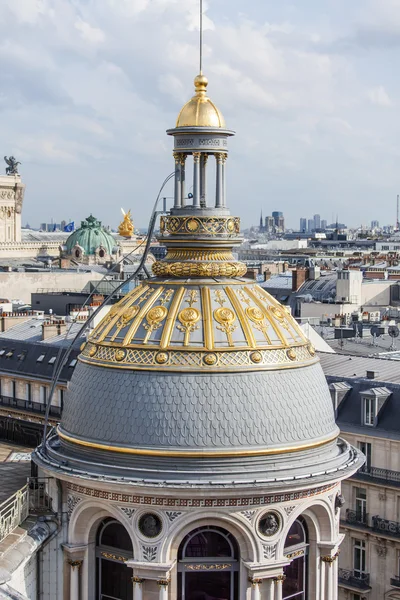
(125,228)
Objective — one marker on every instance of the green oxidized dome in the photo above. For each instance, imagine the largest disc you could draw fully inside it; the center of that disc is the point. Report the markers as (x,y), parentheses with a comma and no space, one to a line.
(90,236)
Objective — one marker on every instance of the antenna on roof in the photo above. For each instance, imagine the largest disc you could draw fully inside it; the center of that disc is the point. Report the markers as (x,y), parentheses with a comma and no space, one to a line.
(201,37)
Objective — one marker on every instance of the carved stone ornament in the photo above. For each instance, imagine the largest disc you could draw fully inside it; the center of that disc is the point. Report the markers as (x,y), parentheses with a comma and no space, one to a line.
(150,525)
(269,551)
(249,514)
(269,524)
(381,550)
(289,509)
(339,502)
(72,501)
(172,515)
(149,553)
(128,511)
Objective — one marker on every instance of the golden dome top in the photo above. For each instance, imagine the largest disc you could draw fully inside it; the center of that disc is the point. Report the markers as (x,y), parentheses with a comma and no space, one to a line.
(200,111)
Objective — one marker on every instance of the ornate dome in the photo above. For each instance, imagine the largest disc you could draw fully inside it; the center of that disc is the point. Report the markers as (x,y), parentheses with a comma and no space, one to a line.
(200,111)
(198,376)
(90,236)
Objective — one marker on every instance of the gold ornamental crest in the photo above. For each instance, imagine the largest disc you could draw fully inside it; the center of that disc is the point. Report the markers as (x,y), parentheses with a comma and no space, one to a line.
(224,315)
(255,314)
(156,315)
(189,315)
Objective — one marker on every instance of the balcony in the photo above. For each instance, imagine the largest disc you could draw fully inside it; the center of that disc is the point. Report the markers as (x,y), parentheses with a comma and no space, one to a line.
(356,517)
(28,406)
(391,528)
(395,581)
(378,475)
(354,580)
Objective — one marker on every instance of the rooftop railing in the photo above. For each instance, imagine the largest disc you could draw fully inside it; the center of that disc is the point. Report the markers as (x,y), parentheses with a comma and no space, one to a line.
(13,511)
(356,517)
(384,525)
(32,499)
(354,579)
(29,406)
(379,475)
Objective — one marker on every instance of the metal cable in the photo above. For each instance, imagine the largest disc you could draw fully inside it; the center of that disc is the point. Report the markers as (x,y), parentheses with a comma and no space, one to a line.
(62,357)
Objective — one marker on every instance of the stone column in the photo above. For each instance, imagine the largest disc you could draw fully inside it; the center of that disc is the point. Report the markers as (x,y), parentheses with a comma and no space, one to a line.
(322,579)
(330,586)
(74,587)
(255,588)
(278,586)
(224,157)
(196,179)
(163,585)
(219,183)
(203,180)
(177,190)
(271,589)
(137,588)
(183,183)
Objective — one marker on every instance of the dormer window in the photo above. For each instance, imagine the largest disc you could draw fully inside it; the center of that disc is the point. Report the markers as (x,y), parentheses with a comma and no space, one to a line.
(369,411)
(373,402)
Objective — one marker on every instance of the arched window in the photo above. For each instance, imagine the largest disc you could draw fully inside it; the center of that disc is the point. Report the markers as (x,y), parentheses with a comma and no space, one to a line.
(208,567)
(113,549)
(296,548)
(102,253)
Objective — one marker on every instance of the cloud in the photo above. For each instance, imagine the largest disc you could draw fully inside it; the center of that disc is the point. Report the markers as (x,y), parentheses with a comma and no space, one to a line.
(379,96)
(90,34)
(89,88)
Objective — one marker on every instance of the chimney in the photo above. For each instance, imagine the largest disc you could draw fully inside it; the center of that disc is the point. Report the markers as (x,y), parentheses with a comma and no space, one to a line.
(267,275)
(299,276)
(52,328)
(372,374)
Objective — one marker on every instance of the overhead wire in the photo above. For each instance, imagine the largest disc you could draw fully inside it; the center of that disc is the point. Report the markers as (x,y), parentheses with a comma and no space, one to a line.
(64,352)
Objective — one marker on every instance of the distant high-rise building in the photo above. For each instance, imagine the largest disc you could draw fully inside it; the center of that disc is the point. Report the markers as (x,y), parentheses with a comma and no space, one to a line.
(317,221)
(310,225)
(324,224)
(374,224)
(303,224)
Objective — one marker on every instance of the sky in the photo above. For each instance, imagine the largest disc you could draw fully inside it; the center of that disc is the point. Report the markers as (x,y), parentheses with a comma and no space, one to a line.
(311,88)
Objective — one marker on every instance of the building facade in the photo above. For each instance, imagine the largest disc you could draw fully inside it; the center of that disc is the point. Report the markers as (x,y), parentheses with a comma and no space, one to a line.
(368,415)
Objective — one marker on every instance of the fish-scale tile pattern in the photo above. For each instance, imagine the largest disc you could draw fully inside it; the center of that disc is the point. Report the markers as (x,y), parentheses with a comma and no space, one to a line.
(222,410)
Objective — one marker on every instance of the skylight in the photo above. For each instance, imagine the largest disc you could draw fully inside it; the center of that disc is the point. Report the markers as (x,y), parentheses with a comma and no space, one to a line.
(40,359)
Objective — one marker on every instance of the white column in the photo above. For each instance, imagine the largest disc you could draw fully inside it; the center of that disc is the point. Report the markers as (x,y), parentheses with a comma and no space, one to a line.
(177,191)
(74,579)
(224,157)
(278,586)
(322,579)
(255,589)
(329,577)
(183,183)
(163,585)
(219,190)
(335,573)
(137,588)
(271,589)
(196,179)
(203,180)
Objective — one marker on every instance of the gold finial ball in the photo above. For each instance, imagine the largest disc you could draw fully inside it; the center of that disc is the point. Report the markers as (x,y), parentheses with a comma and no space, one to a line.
(200,83)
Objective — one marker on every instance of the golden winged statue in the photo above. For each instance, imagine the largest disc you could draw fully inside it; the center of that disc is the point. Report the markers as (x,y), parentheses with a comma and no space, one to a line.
(125,228)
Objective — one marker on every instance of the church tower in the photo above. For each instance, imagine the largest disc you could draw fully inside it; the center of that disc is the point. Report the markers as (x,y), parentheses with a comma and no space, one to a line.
(198,455)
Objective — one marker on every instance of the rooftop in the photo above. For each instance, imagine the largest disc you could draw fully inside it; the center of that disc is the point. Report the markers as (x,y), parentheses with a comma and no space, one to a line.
(14,469)
(346,366)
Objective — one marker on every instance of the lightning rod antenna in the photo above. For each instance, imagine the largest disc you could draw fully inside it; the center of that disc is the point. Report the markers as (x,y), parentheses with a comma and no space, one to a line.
(397,214)
(201,37)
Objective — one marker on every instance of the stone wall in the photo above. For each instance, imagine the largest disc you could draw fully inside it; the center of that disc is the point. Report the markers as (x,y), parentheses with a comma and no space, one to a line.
(20,286)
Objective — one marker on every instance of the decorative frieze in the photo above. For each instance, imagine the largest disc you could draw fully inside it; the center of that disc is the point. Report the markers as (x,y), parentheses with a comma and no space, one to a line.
(148,500)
